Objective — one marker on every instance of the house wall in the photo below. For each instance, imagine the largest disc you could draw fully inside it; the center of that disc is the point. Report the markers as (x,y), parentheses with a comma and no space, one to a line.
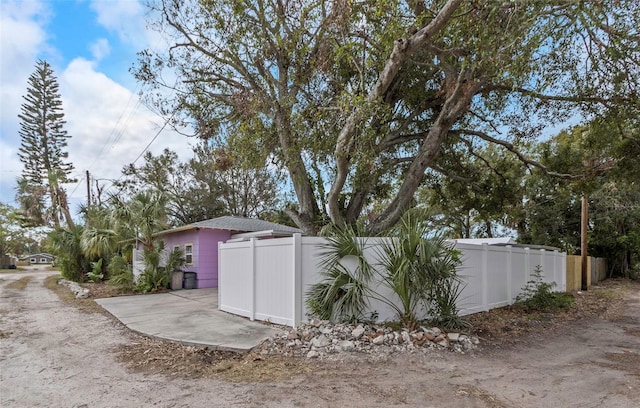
(39,259)
(207,255)
(205,252)
(269,280)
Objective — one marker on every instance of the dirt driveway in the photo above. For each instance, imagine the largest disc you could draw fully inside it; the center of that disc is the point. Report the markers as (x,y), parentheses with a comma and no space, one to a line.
(54,355)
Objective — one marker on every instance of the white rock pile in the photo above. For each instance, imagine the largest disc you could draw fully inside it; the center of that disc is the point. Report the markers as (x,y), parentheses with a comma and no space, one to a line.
(319,339)
(79,291)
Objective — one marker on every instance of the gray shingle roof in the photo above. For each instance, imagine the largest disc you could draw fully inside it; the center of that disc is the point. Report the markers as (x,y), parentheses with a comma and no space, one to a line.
(243,224)
(238,224)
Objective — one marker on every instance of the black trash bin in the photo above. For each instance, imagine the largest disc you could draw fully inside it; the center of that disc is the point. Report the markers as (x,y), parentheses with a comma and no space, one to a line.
(190,280)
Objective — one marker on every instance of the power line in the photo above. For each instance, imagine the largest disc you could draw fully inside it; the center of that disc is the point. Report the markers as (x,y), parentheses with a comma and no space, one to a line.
(164,125)
(113,130)
(116,135)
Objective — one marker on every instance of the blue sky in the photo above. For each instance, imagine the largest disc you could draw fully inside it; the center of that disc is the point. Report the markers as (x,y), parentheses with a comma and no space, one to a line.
(91,46)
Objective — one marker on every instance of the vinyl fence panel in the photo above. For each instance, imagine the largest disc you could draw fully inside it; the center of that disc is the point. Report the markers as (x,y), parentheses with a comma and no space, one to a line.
(269,279)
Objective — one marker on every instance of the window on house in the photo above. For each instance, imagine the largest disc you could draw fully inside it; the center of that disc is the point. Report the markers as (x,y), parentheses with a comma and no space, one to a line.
(176,248)
(33,260)
(43,260)
(188,254)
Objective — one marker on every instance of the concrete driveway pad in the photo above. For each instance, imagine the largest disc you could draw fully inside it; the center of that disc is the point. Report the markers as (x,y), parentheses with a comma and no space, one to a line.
(188,316)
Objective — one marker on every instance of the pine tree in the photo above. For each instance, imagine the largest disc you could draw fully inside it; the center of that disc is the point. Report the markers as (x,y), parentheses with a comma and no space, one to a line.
(42,149)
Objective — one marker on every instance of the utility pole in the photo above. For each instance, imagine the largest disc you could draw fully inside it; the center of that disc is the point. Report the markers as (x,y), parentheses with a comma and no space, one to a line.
(88,190)
(583,239)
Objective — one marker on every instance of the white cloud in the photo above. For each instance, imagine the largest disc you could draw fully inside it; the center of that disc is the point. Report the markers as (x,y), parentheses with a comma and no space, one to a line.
(108,125)
(10,169)
(124,17)
(22,39)
(100,49)
(127,18)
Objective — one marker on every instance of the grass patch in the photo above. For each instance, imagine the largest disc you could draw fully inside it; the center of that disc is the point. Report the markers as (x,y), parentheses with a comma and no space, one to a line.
(10,270)
(68,297)
(20,284)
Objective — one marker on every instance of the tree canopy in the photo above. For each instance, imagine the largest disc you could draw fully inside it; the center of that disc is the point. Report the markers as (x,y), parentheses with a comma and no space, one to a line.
(42,151)
(357,100)
(210,184)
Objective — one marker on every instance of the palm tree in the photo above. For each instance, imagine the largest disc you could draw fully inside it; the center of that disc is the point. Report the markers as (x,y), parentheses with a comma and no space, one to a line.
(343,292)
(65,243)
(99,240)
(141,217)
(418,267)
(420,270)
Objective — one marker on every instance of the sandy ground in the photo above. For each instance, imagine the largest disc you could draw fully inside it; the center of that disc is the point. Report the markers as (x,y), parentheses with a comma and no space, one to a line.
(53,355)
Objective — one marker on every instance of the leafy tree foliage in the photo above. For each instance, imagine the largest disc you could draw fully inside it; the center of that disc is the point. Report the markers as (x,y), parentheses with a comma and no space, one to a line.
(605,164)
(140,217)
(245,190)
(482,194)
(66,245)
(188,200)
(14,239)
(42,151)
(210,184)
(356,100)
(615,215)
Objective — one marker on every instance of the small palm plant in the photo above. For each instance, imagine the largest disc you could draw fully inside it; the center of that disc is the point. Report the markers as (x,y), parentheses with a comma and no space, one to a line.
(66,244)
(419,268)
(414,264)
(155,276)
(342,293)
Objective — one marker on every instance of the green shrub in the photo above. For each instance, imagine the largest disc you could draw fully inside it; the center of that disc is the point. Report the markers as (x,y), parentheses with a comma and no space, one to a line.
(538,295)
(444,298)
(65,244)
(154,276)
(121,274)
(95,275)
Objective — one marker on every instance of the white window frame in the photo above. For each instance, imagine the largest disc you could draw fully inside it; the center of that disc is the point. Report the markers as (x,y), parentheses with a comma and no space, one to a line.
(43,260)
(188,254)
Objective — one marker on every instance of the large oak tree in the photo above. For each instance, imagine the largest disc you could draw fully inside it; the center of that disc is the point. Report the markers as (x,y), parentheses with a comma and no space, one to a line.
(357,99)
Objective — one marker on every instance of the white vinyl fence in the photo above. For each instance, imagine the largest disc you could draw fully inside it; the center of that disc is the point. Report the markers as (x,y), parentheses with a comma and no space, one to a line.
(137,264)
(268,279)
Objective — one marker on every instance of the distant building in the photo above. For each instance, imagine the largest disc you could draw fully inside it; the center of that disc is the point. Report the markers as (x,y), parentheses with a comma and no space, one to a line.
(39,259)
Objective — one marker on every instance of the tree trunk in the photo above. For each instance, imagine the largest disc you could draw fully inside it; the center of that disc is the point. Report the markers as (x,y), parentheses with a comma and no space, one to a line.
(308,211)
(64,206)
(456,105)
(402,50)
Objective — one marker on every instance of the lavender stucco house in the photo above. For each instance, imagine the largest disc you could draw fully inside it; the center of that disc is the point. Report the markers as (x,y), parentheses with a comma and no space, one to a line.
(198,242)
